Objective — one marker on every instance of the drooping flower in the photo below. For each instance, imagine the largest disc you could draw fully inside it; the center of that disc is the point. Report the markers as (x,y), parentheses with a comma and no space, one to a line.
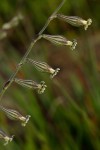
(43,67)
(40,87)
(15,115)
(60,40)
(75,20)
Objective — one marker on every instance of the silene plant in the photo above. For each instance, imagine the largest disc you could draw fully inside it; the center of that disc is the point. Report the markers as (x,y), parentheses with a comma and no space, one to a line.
(39,65)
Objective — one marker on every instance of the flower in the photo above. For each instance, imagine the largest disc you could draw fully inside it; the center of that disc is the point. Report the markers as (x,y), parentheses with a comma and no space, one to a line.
(41,87)
(4,136)
(60,40)
(75,20)
(32,84)
(43,67)
(15,115)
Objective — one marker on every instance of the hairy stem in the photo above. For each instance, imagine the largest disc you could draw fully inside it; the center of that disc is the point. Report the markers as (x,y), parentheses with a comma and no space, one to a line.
(21,63)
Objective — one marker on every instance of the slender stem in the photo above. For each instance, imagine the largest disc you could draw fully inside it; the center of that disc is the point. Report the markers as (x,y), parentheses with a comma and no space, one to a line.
(11,79)
(46,24)
(52,17)
(58,8)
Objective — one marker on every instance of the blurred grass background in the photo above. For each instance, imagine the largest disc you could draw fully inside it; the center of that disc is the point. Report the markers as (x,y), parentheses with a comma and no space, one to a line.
(67,115)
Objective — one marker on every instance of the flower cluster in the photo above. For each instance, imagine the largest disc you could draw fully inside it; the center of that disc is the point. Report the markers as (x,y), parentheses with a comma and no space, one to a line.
(40,66)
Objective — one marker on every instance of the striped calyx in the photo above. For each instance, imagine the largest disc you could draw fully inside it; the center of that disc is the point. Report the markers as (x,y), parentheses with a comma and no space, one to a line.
(15,115)
(43,67)
(40,87)
(75,20)
(59,40)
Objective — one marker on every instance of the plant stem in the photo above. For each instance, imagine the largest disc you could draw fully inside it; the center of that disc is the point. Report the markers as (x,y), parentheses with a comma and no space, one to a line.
(21,63)
(52,17)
